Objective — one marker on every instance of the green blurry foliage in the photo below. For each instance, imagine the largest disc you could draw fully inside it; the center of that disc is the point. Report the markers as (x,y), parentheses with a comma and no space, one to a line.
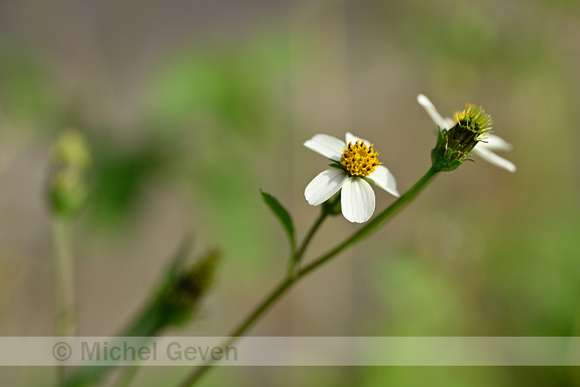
(211,113)
(221,104)
(119,174)
(221,86)
(27,93)
(537,281)
(420,299)
(434,376)
(465,44)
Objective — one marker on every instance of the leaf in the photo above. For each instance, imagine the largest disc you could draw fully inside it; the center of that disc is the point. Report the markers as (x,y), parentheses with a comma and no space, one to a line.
(282,215)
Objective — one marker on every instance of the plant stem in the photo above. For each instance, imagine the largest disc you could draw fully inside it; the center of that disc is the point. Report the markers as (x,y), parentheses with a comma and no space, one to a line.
(295,259)
(290,280)
(270,299)
(265,305)
(63,280)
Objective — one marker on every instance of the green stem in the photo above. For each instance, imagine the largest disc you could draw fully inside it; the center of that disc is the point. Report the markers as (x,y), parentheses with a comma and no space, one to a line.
(63,281)
(244,326)
(295,259)
(288,282)
(272,296)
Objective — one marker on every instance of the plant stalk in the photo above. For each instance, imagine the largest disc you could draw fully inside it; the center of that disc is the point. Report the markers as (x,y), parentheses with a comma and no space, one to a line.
(63,281)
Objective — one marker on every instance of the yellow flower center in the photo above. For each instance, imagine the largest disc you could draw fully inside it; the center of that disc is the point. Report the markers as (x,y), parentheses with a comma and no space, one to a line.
(461,115)
(359,160)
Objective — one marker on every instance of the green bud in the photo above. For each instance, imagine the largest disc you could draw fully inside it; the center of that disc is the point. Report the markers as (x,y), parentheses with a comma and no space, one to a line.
(183,298)
(71,151)
(68,193)
(453,145)
(68,189)
(174,303)
(332,206)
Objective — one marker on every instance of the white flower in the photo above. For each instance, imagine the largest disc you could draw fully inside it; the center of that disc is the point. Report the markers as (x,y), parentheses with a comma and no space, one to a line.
(354,162)
(485,150)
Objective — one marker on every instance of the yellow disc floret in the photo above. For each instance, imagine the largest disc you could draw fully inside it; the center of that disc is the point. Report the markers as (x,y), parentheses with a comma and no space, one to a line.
(358,159)
(461,115)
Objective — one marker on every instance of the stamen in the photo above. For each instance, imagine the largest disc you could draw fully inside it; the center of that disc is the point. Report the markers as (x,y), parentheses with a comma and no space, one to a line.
(359,160)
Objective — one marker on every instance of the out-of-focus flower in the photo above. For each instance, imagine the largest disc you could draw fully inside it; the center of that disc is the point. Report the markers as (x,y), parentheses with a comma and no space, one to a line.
(355,167)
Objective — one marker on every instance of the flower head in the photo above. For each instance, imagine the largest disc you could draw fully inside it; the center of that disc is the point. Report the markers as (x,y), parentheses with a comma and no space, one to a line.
(355,167)
(485,145)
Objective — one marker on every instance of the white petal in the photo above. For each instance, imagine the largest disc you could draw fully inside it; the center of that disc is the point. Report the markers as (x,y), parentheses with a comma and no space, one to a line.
(494,143)
(385,179)
(494,159)
(357,200)
(323,186)
(443,123)
(352,138)
(328,146)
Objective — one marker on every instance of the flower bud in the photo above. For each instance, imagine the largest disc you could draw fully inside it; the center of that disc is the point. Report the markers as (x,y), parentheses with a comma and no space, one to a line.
(453,145)
(178,297)
(184,297)
(68,190)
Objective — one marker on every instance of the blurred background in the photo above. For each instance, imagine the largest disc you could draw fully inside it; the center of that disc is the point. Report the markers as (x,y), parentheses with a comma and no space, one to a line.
(190,108)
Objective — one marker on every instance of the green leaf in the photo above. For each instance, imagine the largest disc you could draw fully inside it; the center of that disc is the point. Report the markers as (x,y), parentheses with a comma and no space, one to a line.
(369,180)
(282,215)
